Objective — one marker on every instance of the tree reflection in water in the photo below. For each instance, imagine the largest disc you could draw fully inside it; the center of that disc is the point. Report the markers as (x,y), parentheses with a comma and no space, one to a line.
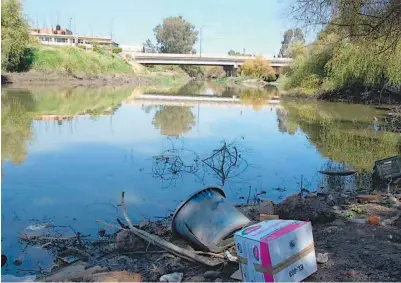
(174,121)
(16,120)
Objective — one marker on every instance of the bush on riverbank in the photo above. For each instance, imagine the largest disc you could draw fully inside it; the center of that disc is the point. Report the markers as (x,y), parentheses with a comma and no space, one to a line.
(258,68)
(332,63)
(14,37)
(75,61)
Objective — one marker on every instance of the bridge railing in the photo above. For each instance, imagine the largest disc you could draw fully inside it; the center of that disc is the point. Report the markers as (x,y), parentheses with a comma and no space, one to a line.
(204,56)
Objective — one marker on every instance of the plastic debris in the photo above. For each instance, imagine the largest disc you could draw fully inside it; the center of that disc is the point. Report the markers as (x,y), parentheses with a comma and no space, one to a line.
(38,226)
(172,277)
(322,258)
(357,221)
(374,220)
(230,257)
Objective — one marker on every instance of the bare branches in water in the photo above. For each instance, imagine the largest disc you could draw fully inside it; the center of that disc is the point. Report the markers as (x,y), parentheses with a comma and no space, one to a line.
(225,162)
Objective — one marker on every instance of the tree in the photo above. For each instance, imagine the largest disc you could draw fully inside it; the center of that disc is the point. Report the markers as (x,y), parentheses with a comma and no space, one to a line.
(368,20)
(291,36)
(234,53)
(14,35)
(259,68)
(174,120)
(149,47)
(175,35)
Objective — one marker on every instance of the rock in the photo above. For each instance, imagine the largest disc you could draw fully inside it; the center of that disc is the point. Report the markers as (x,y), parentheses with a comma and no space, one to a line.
(197,278)
(322,258)
(17,261)
(390,237)
(211,274)
(172,277)
(313,209)
(266,207)
(123,260)
(338,222)
(126,240)
(174,263)
(218,280)
(116,276)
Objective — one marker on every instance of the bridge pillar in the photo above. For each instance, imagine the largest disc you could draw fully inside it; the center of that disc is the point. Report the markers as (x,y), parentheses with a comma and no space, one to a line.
(231,71)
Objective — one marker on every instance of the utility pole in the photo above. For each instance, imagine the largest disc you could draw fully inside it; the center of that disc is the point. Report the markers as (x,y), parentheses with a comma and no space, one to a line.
(200,42)
(111,28)
(69,26)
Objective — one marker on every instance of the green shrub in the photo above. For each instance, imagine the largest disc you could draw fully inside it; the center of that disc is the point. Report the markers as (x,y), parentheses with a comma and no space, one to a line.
(258,68)
(98,49)
(116,50)
(14,36)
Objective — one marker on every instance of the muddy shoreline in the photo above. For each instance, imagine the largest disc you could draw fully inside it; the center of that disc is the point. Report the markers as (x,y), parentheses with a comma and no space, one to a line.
(33,78)
(357,249)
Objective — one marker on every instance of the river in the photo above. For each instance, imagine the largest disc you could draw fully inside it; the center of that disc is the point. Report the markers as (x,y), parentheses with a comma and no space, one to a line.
(67,154)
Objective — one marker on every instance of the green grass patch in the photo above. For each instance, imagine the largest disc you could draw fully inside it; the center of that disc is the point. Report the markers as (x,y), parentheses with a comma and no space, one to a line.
(77,61)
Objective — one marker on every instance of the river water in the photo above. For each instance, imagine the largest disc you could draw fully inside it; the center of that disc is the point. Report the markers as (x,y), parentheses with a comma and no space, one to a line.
(68,153)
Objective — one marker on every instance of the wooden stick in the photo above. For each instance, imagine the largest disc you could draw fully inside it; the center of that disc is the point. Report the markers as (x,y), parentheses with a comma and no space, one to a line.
(166,245)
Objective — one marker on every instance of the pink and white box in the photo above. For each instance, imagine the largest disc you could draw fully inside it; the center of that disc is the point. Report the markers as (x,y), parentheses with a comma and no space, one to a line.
(276,251)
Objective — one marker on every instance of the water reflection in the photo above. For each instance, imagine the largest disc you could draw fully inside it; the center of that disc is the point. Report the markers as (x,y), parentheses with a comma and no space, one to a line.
(56,155)
(342,132)
(16,121)
(173,121)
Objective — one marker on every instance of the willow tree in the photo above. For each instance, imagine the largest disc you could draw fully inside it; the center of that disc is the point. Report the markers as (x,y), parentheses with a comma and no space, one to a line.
(372,20)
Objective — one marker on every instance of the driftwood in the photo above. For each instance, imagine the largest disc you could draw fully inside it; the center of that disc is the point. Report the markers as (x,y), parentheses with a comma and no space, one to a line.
(178,251)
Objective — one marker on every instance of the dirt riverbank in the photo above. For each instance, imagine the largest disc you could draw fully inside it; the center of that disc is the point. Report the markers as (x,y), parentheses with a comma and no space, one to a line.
(33,78)
(358,248)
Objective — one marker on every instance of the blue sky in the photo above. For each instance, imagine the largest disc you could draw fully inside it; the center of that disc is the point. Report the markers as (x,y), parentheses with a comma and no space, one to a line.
(256,25)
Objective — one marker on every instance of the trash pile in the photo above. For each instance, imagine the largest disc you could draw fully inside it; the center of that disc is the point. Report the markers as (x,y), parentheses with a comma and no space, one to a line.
(209,239)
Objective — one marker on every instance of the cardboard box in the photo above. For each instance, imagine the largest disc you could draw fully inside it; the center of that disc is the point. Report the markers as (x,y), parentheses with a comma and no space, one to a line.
(276,251)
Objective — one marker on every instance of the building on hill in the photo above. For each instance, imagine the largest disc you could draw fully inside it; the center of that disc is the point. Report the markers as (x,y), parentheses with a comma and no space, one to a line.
(64,37)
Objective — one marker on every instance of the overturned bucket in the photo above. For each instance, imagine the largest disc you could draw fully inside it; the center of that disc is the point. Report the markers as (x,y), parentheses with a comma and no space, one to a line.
(207,219)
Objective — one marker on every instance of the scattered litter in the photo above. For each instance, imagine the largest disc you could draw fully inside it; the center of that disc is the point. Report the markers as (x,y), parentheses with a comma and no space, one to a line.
(338,173)
(172,277)
(263,217)
(266,237)
(322,258)
(374,220)
(357,220)
(237,275)
(230,257)
(38,226)
(116,276)
(391,220)
(209,226)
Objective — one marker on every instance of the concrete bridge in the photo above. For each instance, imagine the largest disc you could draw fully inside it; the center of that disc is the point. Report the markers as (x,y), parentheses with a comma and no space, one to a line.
(229,63)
